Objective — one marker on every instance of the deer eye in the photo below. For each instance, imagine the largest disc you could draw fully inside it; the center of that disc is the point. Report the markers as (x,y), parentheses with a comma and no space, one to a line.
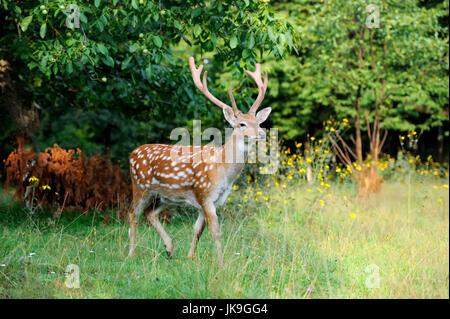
(243,124)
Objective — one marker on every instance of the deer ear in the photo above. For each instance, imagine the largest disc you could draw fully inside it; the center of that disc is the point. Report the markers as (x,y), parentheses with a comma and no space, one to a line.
(229,115)
(262,115)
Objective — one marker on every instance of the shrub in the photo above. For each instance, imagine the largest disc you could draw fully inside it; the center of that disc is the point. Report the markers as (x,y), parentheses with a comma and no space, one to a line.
(65,179)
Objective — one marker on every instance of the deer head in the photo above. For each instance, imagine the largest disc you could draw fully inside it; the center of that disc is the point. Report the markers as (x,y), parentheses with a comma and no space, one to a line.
(246,126)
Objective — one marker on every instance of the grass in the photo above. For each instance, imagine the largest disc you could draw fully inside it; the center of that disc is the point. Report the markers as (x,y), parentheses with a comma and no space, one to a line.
(298,248)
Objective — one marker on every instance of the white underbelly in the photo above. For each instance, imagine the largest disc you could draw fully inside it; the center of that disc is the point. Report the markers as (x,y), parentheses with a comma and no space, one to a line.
(186,197)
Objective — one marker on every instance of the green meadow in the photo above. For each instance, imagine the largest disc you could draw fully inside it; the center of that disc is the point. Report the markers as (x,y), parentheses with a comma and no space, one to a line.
(304,244)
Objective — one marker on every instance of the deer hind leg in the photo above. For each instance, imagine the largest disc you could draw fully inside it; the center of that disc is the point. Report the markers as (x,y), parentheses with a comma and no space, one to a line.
(140,200)
(198,230)
(209,211)
(154,220)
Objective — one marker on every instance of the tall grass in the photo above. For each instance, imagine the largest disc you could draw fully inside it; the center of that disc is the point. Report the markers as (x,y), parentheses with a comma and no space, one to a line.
(298,244)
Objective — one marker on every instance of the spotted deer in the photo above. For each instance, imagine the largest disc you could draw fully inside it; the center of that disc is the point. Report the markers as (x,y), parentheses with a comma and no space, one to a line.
(195,177)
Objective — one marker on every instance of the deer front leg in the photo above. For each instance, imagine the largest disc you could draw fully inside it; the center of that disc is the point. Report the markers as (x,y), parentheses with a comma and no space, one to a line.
(209,211)
(198,230)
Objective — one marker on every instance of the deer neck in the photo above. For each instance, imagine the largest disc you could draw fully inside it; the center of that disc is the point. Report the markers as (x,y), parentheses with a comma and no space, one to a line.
(235,153)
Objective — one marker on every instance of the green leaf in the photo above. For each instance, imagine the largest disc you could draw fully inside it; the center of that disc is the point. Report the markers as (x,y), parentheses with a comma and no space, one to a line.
(134,47)
(101,48)
(233,42)
(134,4)
(97,3)
(157,41)
(43,30)
(271,35)
(83,18)
(196,12)
(158,58)
(282,39)
(177,24)
(69,68)
(251,42)
(289,39)
(25,23)
(126,62)
(246,53)
(148,71)
(197,30)
(108,61)
(279,49)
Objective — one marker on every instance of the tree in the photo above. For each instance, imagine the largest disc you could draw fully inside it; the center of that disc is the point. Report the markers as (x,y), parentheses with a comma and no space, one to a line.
(391,76)
(104,72)
(408,52)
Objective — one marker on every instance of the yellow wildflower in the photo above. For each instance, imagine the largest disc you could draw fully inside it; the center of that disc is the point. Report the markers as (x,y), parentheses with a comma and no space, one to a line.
(33,179)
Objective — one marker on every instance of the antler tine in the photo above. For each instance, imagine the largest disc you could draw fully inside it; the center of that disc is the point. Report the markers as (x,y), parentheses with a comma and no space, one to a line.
(196,73)
(203,87)
(233,102)
(262,86)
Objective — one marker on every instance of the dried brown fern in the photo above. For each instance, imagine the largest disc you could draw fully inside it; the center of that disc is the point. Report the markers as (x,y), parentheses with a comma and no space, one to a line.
(74,181)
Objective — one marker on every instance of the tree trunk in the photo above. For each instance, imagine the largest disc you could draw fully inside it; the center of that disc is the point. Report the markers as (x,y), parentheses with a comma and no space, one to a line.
(309,174)
(19,103)
(440,139)
(359,155)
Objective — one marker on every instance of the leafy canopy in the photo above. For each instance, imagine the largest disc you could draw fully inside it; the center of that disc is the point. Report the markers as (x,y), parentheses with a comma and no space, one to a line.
(123,72)
(408,52)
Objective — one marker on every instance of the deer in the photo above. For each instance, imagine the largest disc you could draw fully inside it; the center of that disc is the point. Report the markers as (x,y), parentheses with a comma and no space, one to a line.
(196,178)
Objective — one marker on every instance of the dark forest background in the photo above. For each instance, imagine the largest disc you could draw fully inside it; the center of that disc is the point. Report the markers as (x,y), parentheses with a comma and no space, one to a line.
(121,79)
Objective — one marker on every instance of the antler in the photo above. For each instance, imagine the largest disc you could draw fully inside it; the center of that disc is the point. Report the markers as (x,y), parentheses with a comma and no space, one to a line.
(203,87)
(262,86)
